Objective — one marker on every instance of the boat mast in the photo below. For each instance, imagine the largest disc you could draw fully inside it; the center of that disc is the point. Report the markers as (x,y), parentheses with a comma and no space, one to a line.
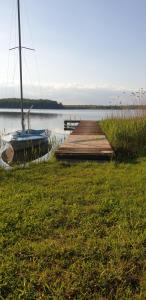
(20,65)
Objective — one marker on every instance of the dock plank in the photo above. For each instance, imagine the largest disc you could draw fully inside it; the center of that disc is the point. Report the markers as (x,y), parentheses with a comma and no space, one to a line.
(87,141)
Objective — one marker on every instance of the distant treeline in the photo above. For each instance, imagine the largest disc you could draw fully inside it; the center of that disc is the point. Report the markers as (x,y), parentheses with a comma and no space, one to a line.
(102,107)
(50,104)
(37,104)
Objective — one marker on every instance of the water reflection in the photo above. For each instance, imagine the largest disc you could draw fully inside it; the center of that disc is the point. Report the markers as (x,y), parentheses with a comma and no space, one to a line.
(54,119)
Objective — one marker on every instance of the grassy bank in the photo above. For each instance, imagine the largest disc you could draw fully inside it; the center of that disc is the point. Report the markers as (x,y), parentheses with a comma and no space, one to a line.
(73,232)
(127,136)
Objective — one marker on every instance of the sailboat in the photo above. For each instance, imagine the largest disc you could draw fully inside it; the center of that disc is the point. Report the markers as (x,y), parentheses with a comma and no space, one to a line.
(30,144)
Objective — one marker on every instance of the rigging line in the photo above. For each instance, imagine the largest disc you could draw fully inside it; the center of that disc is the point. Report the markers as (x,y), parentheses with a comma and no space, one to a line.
(28,22)
(7,72)
(35,54)
(29,73)
(27,68)
(15,65)
(11,22)
(38,74)
(15,30)
(16,53)
(13,12)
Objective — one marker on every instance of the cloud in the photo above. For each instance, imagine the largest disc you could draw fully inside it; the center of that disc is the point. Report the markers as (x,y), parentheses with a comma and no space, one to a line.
(81,86)
(72,92)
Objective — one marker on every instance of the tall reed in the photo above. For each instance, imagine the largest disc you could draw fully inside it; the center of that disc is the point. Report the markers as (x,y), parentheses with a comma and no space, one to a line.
(127,135)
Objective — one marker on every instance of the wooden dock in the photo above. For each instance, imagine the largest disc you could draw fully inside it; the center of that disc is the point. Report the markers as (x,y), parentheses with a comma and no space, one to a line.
(87,141)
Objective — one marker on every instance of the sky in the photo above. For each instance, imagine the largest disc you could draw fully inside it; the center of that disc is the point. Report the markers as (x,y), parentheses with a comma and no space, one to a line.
(87,51)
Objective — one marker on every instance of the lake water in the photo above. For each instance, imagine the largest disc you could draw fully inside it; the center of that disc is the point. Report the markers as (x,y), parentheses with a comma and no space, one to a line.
(53,119)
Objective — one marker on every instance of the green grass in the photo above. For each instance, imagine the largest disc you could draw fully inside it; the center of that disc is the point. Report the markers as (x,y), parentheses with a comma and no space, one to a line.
(73,232)
(127,136)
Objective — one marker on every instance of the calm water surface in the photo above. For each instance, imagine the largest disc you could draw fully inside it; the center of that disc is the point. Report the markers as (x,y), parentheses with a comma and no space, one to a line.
(53,119)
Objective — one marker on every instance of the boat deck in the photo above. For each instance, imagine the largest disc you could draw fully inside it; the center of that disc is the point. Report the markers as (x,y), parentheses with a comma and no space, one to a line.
(87,141)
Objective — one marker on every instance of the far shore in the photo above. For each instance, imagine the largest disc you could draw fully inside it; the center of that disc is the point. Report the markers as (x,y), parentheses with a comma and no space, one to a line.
(17,110)
(45,104)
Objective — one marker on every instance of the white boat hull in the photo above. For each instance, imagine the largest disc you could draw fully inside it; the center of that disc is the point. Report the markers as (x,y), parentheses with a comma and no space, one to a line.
(23,147)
